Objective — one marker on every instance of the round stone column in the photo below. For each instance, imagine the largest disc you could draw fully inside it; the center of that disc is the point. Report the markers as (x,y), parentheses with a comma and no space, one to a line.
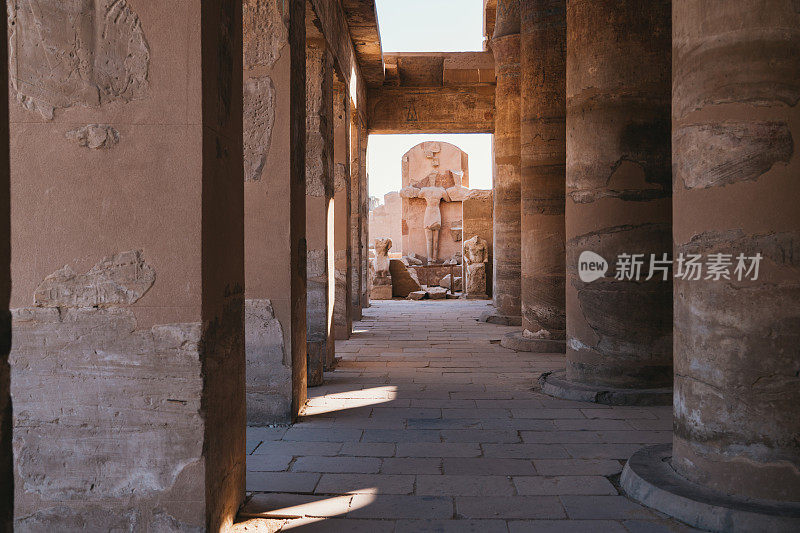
(619,334)
(737,335)
(543,40)
(506,281)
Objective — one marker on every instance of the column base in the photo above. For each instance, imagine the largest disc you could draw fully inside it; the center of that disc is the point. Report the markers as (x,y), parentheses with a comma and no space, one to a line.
(520,343)
(649,478)
(556,384)
(492,317)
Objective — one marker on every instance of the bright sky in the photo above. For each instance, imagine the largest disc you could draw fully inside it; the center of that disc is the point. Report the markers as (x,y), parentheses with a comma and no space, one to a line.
(385,152)
(428,26)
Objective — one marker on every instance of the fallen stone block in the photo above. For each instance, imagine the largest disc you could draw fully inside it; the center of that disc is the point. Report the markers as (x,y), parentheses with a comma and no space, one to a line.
(437,293)
(404,281)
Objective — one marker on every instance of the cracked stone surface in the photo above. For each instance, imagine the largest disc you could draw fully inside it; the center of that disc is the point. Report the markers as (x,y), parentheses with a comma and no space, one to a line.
(426,425)
(83,52)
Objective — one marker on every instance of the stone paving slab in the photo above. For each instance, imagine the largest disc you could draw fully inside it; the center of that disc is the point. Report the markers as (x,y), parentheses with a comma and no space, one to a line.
(430,425)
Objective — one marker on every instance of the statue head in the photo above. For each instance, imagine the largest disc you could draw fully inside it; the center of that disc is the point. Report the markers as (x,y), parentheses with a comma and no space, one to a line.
(382,246)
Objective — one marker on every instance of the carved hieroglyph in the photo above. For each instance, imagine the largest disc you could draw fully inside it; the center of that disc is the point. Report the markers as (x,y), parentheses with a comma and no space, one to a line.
(81,52)
(476,255)
(259,118)
(120,279)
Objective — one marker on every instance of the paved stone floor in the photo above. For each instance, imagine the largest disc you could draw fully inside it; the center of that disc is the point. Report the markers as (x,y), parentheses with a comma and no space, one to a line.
(428,424)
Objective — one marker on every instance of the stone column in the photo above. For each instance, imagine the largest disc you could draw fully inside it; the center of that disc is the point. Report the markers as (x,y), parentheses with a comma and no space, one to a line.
(342,309)
(619,342)
(543,162)
(275,206)
(128,363)
(506,271)
(6,455)
(736,84)
(356,226)
(363,138)
(319,192)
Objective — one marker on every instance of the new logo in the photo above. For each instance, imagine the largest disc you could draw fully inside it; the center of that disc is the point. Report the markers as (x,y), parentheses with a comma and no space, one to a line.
(591,266)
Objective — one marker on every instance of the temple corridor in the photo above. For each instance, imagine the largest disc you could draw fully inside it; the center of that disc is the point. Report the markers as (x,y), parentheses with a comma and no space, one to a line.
(428,424)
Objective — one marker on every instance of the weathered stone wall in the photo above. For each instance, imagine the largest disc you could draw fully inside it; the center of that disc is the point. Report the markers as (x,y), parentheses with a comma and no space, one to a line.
(385,221)
(618,190)
(319,192)
(507,244)
(342,312)
(128,361)
(272,241)
(543,157)
(736,86)
(477,211)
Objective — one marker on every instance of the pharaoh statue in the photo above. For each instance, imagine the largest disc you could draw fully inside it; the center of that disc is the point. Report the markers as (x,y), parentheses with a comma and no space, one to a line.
(382,247)
(476,256)
(432,222)
(381,279)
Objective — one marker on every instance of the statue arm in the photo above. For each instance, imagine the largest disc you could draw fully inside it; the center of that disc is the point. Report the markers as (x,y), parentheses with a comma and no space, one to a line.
(409,192)
(457,193)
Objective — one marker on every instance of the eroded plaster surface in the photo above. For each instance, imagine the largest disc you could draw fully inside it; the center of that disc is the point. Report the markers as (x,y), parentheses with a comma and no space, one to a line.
(95,136)
(259,119)
(81,52)
(269,374)
(265,32)
(93,395)
(119,279)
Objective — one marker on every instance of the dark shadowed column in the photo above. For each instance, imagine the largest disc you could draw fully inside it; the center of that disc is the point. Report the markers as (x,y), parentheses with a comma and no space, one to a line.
(319,191)
(543,176)
(736,86)
(619,342)
(506,272)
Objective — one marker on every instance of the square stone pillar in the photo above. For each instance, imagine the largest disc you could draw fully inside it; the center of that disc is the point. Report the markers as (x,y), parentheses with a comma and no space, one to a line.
(319,195)
(342,310)
(275,209)
(128,364)
(363,136)
(356,223)
(6,456)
